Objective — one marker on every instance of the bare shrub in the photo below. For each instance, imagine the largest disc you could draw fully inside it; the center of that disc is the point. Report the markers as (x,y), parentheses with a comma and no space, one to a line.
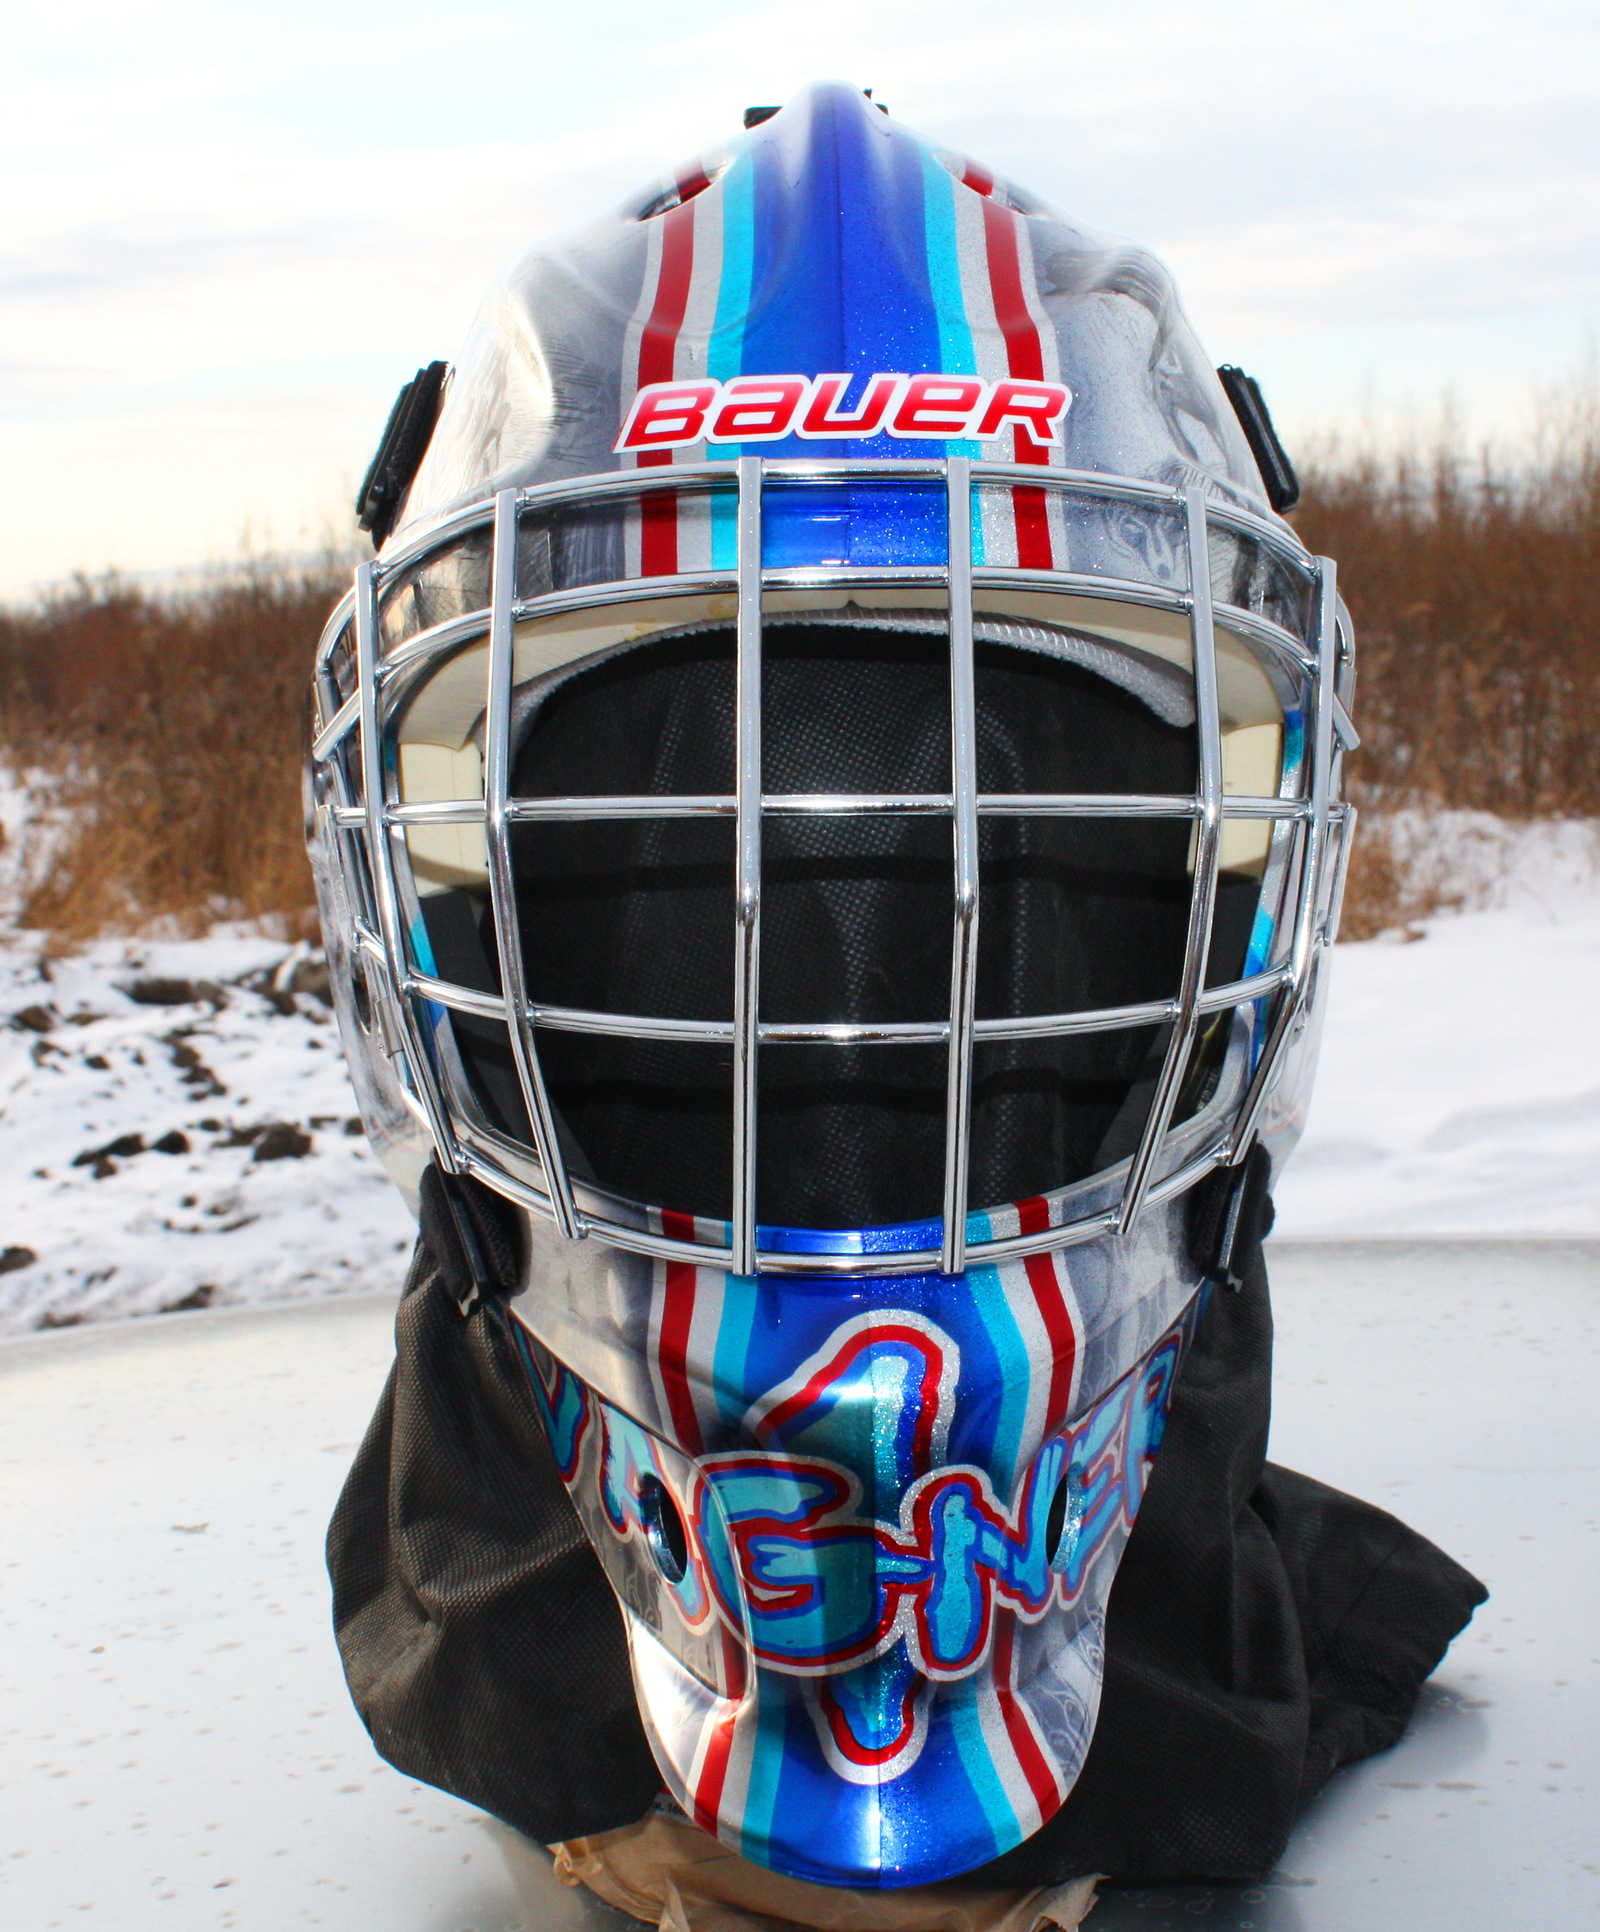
(175,730)
(174,726)
(1475,590)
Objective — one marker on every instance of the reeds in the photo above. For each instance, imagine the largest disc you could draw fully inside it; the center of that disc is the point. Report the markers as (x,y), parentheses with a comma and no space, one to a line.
(174,729)
(174,726)
(1475,591)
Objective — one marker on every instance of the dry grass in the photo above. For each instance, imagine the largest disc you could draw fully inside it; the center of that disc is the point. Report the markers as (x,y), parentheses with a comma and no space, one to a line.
(175,730)
(1475,590)
(175,726)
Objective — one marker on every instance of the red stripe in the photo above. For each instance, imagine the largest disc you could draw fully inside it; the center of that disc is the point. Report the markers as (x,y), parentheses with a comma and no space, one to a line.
(734,1679)
(672,1345)
(658,350)
(1033,1217)
(842,1361)
(1024,358)
(849,1746)
(1035,1767)
(1024,353)
(714,1772)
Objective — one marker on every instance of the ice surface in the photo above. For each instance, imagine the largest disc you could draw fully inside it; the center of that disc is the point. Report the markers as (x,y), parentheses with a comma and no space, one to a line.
(177,1750)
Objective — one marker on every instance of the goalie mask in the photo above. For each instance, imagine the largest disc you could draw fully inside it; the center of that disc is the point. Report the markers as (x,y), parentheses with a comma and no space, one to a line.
(827,802)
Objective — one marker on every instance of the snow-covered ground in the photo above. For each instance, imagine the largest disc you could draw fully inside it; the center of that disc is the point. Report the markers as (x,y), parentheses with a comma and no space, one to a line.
(176,1127)
(1459,1090)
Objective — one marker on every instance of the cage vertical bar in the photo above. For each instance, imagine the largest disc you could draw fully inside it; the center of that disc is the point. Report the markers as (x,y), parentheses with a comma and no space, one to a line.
(502,881)
(1208,846)
(380,864)
(1313,862)
(747,865)
(964,840)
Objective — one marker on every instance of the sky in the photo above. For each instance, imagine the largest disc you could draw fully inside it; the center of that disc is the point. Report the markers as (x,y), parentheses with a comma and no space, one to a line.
(228,233)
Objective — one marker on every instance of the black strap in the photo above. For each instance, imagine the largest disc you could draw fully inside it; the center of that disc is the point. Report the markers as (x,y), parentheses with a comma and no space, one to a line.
(1230,1215)
(404,443)
(1249,405)
(467,1228)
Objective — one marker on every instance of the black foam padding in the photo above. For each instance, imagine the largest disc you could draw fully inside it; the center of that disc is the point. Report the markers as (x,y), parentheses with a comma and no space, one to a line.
(636,916)
(1230,1214)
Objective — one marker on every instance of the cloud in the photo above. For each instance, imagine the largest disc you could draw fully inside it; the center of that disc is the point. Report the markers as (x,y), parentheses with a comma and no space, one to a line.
(239,229)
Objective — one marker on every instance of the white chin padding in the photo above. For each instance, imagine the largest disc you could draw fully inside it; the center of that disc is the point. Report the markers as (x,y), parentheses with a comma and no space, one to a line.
(1164,688)
(440,753)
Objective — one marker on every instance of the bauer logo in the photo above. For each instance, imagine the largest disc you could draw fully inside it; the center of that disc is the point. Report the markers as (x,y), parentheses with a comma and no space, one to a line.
(764,409)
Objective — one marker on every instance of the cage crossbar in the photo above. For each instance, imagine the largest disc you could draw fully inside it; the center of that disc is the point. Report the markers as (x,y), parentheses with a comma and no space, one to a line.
(414,1001)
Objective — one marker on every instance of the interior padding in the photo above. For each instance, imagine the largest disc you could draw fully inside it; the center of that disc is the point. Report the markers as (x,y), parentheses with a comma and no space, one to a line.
(636,916)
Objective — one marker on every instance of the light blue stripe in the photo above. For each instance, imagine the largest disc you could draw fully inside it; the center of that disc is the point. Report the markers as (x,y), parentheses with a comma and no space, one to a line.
(994,1307)
(958,356)
(1261,932)
(977,1760)
(1294,739)
(725,350)
(422,953)
(766,1774)
(729,1370)
(1260,943)
(1016,1373)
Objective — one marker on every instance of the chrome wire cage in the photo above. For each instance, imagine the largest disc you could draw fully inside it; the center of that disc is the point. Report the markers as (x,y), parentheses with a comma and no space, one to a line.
(362,820)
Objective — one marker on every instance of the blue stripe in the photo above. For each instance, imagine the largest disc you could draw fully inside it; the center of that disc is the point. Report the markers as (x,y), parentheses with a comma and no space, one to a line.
(840,267)
(1003,1390)
(1294,740)
(840,282)
(1260,943)
(422,953)
(901,1237)
(827,1820)
(422,949)
(1261,932)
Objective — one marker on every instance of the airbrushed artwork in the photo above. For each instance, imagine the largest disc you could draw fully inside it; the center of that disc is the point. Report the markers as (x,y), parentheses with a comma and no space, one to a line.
(891,1610)
(827,815)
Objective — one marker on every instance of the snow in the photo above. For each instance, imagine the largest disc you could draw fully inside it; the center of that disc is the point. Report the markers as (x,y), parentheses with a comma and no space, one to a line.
(1459,1088)
(237,1212)
(1459,1092)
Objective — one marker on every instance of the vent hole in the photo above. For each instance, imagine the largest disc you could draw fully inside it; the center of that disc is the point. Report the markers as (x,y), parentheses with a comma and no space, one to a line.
(1064,1521)
(693,181)
(664,1525)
